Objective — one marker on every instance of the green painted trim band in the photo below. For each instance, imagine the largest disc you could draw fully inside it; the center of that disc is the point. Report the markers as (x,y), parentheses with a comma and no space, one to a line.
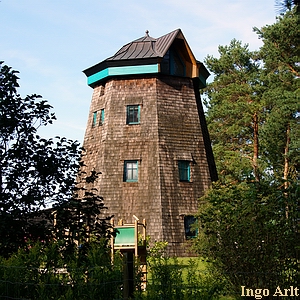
(127,70)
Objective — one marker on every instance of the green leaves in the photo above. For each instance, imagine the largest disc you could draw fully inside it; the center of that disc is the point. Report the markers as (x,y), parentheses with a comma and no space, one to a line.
(234,100)
(34,172)
(37,173)
(280,132)
(248,220)
(253,104)
(244,230)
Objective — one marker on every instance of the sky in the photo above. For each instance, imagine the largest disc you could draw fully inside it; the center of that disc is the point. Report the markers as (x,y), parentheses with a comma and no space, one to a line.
(50,42)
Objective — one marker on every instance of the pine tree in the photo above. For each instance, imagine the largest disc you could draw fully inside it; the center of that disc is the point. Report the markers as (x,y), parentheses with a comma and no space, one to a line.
(280,133)
(248,228)
(234,111)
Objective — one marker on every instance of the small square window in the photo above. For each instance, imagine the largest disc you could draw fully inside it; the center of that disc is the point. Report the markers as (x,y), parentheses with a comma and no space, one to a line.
(133,114)
(184,170)
(130,171)
(101,117)
(94,119)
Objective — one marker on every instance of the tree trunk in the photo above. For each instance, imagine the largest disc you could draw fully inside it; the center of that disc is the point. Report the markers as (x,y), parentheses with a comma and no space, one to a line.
(286,165)
(255,147)
(286,159)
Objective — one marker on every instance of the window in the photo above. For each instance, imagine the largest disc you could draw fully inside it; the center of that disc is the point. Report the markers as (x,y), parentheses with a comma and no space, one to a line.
(94,119)
(190,232)
(184,170)
(95,116)
(173,64)
(165,63)
(131,171)
(177,65)
(133,114)
(101,117)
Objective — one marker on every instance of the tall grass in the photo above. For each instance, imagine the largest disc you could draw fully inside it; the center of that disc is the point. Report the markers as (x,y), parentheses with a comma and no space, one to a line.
(180,278)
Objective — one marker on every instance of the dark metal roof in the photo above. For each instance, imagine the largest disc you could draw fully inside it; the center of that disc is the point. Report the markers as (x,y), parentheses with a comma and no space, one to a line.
(141,48)
(164,42)
(146,47)
(144,51)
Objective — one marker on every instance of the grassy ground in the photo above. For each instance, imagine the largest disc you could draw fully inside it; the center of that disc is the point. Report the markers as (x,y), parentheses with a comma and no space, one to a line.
(185,261)
(201,267)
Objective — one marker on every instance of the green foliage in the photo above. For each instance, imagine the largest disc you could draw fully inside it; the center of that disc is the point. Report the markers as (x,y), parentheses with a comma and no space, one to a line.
(203,284)
(245,232)
(233,107)
(248,220)
(41,272)
(78,221)
(57,253)
(172,278)
(158,250)
(253,104)
(280,55)
(285,5)
(166,278)
(34,171)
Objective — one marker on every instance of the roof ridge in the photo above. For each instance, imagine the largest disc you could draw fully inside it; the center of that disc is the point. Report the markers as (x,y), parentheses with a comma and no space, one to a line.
(164,42)
(146,47)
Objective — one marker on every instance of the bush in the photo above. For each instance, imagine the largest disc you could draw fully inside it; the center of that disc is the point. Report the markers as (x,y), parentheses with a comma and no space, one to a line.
(249,232)
(169,278)
(40,272)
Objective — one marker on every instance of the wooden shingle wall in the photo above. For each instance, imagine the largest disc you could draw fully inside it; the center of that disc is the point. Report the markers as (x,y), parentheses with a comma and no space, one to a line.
(169,131)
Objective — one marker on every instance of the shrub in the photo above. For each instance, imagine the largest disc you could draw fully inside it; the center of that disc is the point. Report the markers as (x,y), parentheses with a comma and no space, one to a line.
(40,272)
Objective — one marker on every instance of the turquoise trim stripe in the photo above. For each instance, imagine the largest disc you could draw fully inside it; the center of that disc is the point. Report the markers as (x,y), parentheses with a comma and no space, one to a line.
(128,70)
(97,76)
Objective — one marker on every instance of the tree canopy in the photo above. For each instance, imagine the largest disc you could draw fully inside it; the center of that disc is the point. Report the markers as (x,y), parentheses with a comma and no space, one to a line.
(234,108)
(51,231)
(35,173)
(253,104)
(248,219)
(280,76)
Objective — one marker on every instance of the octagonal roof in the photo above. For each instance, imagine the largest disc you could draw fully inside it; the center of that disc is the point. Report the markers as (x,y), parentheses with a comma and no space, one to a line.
(144,56)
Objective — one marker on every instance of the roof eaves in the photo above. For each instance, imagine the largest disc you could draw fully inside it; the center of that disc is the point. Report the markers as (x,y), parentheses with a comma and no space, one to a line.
(119,62)
(188,48)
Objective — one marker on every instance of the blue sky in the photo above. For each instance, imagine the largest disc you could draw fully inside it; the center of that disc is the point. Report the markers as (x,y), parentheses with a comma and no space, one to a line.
(51,41)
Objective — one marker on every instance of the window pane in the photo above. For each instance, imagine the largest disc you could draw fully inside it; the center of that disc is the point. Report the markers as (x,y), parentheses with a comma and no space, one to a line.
(184,170)
(130,171)
(94,118)
(102,117)
(178,66)
(188,222)
(134,174)
(133,112)
(165,63)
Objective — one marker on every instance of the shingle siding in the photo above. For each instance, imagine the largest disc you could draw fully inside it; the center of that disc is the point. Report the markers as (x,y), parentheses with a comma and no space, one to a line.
(169,131)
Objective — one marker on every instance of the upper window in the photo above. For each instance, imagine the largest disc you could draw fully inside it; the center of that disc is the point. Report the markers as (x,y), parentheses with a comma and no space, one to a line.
(177,65)
(94,119)
(133,114)
(101,117)
(184,170)
(131,170)
(173,64)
